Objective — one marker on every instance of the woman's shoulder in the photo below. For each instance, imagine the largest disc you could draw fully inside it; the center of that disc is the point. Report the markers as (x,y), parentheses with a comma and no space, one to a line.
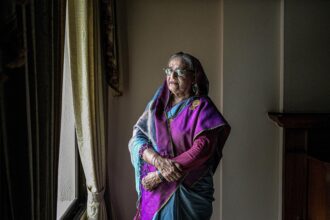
(206,115)
(205,106)
(203,101)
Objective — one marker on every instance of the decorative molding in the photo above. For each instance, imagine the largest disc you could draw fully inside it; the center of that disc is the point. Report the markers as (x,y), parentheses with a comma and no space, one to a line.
(301,120)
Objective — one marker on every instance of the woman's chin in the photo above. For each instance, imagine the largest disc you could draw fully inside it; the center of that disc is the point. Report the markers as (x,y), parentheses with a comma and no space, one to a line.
(173,87)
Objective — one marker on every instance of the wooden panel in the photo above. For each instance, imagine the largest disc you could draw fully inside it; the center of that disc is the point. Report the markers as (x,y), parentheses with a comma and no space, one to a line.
(295,188)
(327,179)
(319,144)
(317,190)
(306,169)
(296,140)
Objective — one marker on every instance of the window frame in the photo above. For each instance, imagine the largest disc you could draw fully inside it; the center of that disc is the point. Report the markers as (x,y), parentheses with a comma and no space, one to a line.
(78,206)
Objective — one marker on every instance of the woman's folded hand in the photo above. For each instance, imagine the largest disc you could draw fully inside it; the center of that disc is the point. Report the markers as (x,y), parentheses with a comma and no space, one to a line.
(151,181)
(169,169)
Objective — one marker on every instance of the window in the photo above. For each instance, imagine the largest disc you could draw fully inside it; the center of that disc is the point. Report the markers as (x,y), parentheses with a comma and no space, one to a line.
(67,168)
(71,194)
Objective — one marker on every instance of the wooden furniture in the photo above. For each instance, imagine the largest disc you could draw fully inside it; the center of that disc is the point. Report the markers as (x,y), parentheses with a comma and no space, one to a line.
(306,168)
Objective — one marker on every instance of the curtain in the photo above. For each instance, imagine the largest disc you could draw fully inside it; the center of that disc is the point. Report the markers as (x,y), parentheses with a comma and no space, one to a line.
(31,105)
(110,51)
(44,40)
(88,99)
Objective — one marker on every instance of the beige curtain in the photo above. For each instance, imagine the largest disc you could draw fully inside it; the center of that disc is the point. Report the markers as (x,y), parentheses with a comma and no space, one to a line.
(88,96)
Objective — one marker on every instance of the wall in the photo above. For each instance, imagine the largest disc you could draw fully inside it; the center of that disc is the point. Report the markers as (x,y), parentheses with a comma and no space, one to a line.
(307,56)
(150,31)
(263,70)
(251,71)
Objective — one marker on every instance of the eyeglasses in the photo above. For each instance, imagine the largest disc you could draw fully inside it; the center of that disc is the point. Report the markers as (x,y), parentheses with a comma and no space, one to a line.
(179,72)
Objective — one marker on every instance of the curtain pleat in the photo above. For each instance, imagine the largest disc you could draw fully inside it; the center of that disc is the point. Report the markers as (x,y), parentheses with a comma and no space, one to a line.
(45,80)
(88,95)
(44,36)
(31,61)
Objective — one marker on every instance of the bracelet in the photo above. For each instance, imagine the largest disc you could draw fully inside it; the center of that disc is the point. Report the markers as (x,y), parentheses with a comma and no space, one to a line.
(153,159)
(160,176)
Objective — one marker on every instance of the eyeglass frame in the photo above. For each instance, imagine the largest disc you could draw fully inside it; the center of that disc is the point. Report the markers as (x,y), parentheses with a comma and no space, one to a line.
(179,72)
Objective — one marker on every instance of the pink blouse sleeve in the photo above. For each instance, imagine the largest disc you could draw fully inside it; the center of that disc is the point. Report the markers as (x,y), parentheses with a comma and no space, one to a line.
(200,152)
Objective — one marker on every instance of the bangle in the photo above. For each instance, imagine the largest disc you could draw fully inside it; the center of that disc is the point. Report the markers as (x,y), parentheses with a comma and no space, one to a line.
(153,159)
(160,176)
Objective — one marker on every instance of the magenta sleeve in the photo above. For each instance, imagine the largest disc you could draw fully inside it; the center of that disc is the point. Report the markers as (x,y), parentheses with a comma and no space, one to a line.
(199,153)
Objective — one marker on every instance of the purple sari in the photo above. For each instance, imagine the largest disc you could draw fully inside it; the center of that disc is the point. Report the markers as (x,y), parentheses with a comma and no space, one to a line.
(171,138)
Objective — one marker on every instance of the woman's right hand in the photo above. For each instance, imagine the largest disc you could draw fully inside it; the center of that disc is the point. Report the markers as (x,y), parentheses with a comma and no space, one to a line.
(169,169)
(151,181)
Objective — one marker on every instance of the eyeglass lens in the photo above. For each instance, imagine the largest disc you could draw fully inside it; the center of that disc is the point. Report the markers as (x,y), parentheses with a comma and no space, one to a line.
(179,72)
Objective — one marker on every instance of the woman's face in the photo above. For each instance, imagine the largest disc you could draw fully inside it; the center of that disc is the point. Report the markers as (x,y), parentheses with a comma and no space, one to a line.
(180,86)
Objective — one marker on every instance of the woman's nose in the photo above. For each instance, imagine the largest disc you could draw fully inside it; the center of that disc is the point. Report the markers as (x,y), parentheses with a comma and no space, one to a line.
(173,75)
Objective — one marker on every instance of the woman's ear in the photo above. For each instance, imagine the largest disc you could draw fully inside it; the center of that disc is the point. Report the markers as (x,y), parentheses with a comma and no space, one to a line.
(194,88)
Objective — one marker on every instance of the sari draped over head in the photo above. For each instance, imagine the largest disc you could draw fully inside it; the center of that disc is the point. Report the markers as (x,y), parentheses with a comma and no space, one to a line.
(171,131)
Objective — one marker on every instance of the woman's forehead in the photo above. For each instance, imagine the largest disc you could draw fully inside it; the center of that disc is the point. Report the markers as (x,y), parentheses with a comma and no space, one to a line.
(176,62)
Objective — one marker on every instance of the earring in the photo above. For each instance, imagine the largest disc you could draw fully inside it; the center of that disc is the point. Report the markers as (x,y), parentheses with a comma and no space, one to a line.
(195,88)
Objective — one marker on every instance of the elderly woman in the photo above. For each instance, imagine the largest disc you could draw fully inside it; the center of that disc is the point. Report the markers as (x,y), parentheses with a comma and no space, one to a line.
(177,144)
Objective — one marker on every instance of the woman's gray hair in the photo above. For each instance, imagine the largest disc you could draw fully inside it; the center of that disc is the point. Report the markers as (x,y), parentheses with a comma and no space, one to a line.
(186,58)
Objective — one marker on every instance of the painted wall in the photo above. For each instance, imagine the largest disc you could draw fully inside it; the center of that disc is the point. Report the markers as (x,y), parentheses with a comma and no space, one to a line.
(150,31)
(307,56)
(251,88)
(252,77)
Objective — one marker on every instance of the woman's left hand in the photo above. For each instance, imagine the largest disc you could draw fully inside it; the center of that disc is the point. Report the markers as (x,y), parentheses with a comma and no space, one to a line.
(151,181)
(169,169)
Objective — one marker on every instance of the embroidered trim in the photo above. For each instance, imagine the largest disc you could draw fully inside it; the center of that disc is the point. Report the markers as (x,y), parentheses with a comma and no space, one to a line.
(141,150)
